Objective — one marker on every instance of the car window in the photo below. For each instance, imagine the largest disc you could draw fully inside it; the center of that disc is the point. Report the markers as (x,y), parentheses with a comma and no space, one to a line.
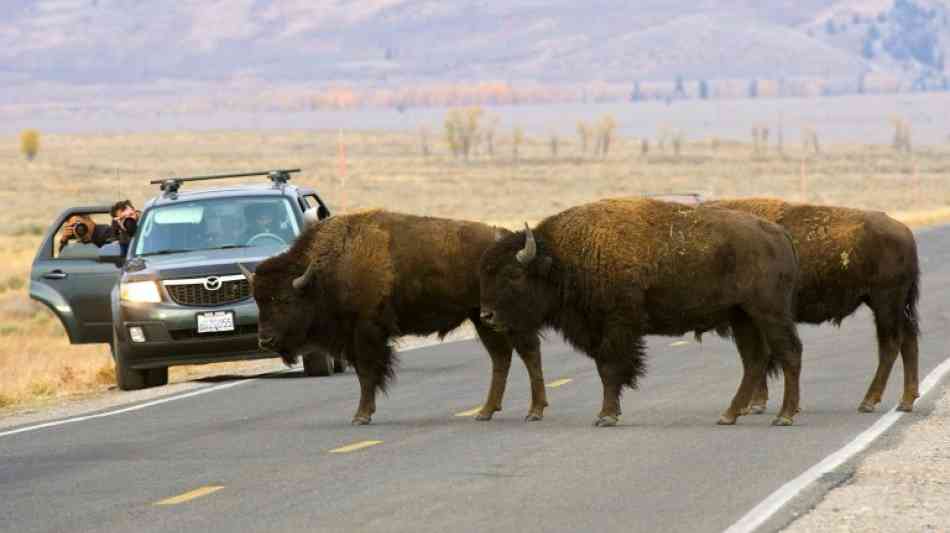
(217,224)
(74,248)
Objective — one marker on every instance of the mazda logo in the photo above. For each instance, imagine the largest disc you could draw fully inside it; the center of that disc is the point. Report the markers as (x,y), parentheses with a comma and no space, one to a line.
(212,283)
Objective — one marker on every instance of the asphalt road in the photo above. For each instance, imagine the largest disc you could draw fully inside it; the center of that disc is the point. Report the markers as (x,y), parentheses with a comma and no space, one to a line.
(259,454)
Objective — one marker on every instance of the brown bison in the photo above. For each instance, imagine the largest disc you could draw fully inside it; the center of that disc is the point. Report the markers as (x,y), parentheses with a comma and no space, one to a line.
(351,283)
(850,257)
(607,273)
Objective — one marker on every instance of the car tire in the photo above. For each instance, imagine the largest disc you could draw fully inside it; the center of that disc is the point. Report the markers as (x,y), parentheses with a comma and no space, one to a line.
(156,377)
(125,377)
(317,364)
(339,366)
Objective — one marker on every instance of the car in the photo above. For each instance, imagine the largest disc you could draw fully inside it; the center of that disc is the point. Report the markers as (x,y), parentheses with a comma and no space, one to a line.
(178,296)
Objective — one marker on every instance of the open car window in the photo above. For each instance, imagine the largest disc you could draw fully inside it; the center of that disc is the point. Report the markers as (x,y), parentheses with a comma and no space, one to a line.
(217,224)
(74,248)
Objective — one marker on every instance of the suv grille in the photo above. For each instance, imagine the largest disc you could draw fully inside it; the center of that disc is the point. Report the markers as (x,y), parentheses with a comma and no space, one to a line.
(197,293)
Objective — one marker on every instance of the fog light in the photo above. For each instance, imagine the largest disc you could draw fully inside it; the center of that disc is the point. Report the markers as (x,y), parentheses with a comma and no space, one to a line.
(137,334)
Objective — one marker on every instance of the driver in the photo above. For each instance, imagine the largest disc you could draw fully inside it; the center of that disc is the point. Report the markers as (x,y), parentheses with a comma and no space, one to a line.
(263,219)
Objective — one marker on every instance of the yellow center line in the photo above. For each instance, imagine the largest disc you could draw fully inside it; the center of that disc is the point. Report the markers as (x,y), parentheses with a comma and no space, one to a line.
(470,412)
(679,343)
(558,383)
(356,446)
(190,495)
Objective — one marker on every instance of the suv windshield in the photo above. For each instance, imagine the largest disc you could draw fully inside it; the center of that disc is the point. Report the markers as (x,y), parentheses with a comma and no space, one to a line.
(216,224)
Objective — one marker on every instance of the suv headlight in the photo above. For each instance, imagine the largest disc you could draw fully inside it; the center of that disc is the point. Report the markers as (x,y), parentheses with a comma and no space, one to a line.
(140,291)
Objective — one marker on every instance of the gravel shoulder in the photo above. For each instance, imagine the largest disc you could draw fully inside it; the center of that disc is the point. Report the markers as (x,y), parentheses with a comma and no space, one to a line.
(903,484)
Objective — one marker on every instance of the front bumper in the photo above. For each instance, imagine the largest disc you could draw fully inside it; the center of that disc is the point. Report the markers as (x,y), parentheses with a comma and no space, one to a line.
(171,336)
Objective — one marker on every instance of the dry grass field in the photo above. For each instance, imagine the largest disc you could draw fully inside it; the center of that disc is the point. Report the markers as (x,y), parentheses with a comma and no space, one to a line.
(388,169)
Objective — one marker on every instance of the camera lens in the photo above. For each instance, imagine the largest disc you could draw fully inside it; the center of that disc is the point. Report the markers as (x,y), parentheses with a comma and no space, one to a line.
(80,229)
(129,225)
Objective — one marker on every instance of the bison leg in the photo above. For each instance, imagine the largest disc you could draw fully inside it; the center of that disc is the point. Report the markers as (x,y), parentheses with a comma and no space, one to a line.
(499,348)
(886,355)
(374,361)
(909,358)
(754,356)
(786,347)
(529,348)
(760,399)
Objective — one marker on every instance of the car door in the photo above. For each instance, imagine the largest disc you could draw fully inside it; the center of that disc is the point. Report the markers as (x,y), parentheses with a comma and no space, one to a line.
(76,283)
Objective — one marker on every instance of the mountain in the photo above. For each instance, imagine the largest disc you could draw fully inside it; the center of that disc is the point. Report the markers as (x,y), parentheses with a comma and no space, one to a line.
(117,43)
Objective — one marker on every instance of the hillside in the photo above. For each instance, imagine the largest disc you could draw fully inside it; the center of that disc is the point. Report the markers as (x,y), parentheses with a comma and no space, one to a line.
(126,46)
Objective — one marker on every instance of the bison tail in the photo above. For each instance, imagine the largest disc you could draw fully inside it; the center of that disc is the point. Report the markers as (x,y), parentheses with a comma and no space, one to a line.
(911,322)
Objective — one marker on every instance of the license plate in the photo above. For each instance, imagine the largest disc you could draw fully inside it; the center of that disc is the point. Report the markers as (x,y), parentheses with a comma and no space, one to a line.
(215,321)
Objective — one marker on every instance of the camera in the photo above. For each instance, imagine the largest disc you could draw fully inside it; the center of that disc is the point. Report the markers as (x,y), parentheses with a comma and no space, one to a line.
(128,225)
(81,230)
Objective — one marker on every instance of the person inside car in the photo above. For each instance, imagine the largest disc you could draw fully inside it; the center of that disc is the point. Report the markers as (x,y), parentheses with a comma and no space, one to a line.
(264,219)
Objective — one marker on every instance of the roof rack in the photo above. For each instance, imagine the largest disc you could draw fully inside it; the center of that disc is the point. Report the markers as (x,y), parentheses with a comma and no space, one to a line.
(171,185)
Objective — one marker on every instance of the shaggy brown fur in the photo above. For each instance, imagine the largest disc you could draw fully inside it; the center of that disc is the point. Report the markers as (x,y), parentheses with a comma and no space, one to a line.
(376,275)
(606,274)
(851,257)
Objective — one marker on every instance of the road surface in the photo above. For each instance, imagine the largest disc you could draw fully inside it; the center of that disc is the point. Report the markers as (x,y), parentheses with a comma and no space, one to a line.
(278,453)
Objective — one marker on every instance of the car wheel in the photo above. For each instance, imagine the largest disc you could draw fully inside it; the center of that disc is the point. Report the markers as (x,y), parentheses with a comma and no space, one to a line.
(317,364)
(339,366)
(127,378)
(156,377)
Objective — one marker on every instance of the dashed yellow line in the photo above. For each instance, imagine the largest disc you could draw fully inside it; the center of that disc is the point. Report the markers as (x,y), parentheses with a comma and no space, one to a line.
(557,383)
(356,446)
(190,495)
(679,343)
(470,412)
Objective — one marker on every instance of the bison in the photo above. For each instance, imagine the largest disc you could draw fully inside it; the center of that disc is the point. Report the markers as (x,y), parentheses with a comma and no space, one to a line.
(850,257)
(607,273)
(350,284)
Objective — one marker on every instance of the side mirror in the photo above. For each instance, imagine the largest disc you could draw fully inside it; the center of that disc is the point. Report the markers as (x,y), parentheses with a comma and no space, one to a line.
(323,212)
(111,253)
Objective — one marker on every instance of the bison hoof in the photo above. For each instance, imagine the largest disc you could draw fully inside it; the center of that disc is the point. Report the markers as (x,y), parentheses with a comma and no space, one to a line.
(744,411)
(606,421)
(726,420)
(756,409)
(782,421)
(532,417)
(360,420)
(866,407)
(906,407)
(483,416)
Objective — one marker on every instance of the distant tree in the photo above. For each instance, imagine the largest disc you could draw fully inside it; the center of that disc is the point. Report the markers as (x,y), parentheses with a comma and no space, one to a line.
(635,94)
(605,134)
(867,49)
(517,137)
(703,89)
(424,141)
(754,89)
(29,143)
(461,130)
(553,142)
(584,133)
(679,88)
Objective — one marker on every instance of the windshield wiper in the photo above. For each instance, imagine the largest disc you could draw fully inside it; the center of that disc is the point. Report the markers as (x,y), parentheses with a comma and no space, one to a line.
(230,247)
(166,252)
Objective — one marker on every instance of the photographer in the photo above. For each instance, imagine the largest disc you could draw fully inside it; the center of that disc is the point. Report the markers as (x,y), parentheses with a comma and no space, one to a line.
(124,223)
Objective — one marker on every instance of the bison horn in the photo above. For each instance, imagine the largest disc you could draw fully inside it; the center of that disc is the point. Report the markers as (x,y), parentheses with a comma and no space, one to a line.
(530,250)
(300,283)
(247,274)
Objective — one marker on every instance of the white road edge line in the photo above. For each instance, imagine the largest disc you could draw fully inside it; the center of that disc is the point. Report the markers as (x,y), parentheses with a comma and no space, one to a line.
(167,399)
(775,501)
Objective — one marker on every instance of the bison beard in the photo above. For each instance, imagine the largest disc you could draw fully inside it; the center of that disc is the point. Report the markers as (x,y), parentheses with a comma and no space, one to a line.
(606,274)
(851,257)
(350,284)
